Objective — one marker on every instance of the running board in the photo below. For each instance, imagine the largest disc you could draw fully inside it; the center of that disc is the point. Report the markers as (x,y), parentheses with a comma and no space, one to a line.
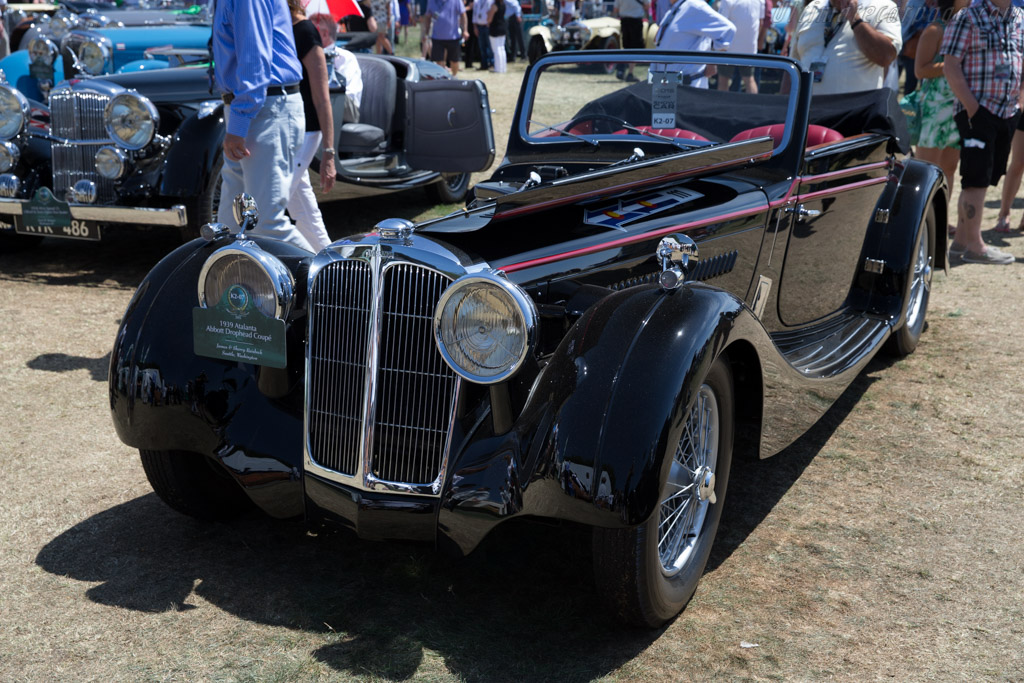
(833,347)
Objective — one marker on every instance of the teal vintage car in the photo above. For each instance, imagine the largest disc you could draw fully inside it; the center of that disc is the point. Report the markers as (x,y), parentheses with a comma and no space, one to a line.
(99,45)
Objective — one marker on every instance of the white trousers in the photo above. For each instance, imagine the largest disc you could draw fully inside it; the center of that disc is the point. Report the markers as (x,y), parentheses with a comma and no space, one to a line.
(498,48)
(302,206)
(273,140)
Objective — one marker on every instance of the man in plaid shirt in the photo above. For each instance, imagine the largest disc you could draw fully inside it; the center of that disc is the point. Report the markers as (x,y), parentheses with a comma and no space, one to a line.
(984,51)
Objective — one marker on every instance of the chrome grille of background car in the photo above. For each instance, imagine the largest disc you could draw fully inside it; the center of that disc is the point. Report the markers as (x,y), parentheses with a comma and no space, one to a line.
(411,388)
(78,115)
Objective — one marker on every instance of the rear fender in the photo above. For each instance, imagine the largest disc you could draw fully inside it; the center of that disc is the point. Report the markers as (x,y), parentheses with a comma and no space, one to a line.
(914,187)
(164,397)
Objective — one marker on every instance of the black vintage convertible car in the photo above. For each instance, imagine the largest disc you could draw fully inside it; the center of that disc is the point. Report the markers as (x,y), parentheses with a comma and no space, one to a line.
(658,277)
(144,148)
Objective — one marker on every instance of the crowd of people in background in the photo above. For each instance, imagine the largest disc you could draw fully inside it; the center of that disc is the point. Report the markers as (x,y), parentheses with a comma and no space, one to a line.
(960,60)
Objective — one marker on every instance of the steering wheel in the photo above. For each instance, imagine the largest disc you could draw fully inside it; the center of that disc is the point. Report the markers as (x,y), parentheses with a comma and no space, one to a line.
(594,118)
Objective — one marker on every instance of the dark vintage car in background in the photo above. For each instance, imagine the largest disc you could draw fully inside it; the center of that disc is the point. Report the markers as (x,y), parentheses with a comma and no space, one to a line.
(144,148)
(657,278)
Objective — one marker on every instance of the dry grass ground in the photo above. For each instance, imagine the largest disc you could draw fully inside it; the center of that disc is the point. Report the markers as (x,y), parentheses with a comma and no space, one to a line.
(884,545)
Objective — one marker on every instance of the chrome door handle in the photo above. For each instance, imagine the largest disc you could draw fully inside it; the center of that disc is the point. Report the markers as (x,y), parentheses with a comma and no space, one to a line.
(802,212)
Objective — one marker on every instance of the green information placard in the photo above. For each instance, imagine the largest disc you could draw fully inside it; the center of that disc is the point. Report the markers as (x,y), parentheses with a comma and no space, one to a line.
(46,211)
(236,330)
(41,72)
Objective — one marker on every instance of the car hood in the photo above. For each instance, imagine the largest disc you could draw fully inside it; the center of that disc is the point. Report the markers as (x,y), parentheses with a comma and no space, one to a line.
(180,85)
(138,38)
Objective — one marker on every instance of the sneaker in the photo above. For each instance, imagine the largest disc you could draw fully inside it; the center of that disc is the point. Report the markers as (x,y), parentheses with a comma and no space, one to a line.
(1002,225)
(990,255)
(955,250)
(620,73)
(630,78)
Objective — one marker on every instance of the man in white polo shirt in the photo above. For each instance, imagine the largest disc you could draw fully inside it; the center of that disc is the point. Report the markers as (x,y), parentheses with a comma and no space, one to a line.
(747,16)
(847,45)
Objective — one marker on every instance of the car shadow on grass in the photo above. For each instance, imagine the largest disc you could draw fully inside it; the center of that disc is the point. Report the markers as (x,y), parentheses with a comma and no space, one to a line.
(756,486)
(523,606)
(62,362)
(121,259)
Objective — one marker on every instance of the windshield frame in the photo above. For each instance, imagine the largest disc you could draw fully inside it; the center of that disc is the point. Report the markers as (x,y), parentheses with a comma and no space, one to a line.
(532,144)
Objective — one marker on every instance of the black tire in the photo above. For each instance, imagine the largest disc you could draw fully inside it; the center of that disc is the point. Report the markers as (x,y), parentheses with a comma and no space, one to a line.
(904,341)
(204,208)
(610,43)
(451,189)
(628,567)
(536,49)
(193,485)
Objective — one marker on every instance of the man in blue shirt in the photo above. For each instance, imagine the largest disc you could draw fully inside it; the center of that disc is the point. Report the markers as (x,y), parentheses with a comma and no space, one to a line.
(445,23)
(258,70)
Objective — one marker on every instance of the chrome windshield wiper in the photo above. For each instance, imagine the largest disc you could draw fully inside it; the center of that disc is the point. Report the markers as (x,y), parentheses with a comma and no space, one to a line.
(649,133)
(543,128)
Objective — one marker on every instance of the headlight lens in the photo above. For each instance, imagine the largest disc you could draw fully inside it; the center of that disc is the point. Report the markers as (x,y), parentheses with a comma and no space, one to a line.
(245,275)
(111,162)
(585,33)
(13,112)
(484,327)
(9,155)
(131,120)
(93,57)
(42,51)
(62,23)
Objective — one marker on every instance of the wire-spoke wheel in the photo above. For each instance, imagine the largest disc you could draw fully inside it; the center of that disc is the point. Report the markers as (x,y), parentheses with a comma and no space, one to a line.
(904,340)
(649,573)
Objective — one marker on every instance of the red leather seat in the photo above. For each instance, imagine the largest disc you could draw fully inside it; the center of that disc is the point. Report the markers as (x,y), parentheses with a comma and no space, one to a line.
(816,135)
(668,132)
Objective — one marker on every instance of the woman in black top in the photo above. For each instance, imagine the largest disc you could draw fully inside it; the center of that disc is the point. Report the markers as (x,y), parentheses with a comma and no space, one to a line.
(497,27)
(316,100)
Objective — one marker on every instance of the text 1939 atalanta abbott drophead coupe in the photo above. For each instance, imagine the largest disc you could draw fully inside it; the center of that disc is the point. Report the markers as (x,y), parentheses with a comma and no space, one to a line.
(658,276)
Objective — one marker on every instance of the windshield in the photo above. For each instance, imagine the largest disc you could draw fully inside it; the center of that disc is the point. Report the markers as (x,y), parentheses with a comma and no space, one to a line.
(669,98)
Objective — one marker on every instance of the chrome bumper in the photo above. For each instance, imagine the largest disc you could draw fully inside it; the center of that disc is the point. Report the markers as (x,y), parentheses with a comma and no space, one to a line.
(173,217)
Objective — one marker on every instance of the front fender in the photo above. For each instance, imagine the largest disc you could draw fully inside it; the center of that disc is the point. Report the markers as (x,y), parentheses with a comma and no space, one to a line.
(164,397)
(545,33)
(589,445)
(16,68)
(193,155)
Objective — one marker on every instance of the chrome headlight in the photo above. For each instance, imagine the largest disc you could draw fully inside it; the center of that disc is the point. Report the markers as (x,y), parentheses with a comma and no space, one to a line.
(585,33)
(556,34)
(484,327)
(61,23)
(42,51)
(9,155)
(244,275)
(13,112)
(111,162)
(94,57)
(131,120)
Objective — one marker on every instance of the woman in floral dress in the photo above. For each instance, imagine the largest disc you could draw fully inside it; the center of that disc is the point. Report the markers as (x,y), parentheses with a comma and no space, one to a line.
(940,141)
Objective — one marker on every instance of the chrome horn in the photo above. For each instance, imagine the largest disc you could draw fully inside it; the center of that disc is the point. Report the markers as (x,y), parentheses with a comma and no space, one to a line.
(675,252)
(246,213)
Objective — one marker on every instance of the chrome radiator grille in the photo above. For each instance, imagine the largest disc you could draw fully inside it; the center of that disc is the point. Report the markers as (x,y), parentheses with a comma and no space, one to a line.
(78,115)
(377,384)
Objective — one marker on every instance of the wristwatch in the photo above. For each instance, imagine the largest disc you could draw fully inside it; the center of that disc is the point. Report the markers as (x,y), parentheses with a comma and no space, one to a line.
(330,150)
(856,24)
